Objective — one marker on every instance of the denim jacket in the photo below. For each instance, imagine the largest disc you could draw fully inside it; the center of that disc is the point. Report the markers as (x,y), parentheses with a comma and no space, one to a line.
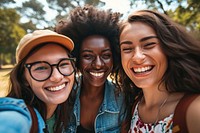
(111,112)
(16,118)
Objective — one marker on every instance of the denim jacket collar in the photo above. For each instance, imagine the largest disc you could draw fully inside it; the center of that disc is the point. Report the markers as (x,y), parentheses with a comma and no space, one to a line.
(109,103)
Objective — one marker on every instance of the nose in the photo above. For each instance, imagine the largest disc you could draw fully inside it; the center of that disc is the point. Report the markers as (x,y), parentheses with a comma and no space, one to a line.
(56,76)
(138,56)
(98,62)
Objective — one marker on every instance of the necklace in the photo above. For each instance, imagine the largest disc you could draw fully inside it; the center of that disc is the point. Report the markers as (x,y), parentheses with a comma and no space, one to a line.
(159,109)
(158,114)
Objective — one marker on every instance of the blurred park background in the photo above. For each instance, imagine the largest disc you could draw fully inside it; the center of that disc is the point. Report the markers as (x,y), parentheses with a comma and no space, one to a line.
(18,17)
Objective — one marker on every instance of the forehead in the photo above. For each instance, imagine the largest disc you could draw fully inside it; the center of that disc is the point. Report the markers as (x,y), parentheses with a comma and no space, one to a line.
(135,29)
(95,41)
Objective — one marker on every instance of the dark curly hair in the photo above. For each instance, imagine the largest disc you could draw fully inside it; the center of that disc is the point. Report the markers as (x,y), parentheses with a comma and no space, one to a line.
(88,20)
(182,52)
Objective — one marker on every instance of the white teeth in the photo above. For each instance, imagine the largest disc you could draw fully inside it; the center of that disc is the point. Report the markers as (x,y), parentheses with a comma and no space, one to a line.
(142,69)
(56,88)
(97,74)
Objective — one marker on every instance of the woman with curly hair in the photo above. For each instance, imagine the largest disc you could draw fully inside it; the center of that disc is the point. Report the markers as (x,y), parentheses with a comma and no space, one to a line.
(161,74)
(99,102)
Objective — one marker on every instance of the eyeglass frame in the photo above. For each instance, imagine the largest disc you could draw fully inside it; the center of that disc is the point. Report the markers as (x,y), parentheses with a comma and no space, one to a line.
(29,65)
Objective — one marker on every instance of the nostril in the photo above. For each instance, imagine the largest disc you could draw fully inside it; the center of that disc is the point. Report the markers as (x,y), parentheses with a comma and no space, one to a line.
(98,62)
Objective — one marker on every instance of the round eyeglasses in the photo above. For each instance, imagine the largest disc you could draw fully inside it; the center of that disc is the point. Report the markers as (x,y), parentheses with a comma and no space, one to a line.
(42,70)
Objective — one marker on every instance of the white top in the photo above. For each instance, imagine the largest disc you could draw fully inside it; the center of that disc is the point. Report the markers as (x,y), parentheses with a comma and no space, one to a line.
(162,126)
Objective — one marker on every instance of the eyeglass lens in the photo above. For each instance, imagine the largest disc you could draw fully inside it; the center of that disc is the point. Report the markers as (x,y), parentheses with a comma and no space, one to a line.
(43,70)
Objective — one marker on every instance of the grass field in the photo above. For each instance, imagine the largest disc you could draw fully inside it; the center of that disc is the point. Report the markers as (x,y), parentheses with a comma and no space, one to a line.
(3,81)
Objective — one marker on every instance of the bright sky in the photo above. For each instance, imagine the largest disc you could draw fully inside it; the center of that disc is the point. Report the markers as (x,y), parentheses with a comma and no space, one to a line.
(117,5)
(122,6)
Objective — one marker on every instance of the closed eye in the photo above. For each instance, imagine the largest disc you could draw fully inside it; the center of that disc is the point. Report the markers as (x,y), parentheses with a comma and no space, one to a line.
(87,56)
(150,45)
(106,56)
(127,49)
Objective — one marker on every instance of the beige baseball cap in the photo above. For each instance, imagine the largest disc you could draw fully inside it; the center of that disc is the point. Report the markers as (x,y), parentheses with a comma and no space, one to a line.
(31,40)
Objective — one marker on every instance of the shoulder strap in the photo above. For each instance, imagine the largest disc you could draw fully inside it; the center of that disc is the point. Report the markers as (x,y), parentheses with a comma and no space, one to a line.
(34,127)
(179,119)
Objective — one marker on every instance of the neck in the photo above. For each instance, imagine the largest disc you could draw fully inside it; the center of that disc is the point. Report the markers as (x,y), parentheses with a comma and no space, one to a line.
(92,91)
(50,110)
(155,98)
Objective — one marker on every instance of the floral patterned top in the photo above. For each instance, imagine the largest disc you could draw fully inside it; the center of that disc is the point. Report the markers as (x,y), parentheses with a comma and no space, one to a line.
(162,126)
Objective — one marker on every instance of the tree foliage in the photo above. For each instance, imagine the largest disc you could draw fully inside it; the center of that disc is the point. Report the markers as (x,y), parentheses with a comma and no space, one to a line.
(11,31)
(63,7)
(189,15)
(185,12)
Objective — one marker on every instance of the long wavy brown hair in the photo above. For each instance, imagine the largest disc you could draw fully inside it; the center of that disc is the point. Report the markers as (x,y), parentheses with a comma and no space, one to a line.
(182,52)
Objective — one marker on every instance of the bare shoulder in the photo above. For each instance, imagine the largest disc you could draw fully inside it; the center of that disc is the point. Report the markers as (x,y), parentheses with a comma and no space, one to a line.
(193,116)
(194,106)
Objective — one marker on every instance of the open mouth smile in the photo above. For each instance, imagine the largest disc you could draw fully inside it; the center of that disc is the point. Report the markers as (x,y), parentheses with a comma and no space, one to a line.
(97,74)
(56,88)
(142,69)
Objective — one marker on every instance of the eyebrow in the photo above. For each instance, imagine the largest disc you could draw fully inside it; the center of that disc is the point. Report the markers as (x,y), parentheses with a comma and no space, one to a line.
(86,50)
(146,38)
(141,40)
(108,49)
(125,42)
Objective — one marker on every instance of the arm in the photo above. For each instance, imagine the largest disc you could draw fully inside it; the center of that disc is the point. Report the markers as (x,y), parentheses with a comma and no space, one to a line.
(14,116)
(14,122)
(193,116)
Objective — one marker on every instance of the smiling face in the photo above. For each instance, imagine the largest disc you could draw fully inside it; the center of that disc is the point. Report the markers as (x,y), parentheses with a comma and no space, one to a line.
(96,60)
(142,56)
(56,89)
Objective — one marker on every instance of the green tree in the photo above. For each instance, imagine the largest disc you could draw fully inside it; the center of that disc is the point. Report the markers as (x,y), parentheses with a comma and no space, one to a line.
(11,33)
(185,12)
(4,3)
(189,15)
(34,11)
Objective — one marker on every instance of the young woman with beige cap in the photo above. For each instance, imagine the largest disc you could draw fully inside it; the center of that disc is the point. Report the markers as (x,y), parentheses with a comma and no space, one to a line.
(42,79)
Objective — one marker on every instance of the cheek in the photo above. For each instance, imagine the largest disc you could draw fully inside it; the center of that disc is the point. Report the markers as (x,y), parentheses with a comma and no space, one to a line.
(84,63)
(109,63)
(164,64)
(124,60)
(71,78)
(35,85)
